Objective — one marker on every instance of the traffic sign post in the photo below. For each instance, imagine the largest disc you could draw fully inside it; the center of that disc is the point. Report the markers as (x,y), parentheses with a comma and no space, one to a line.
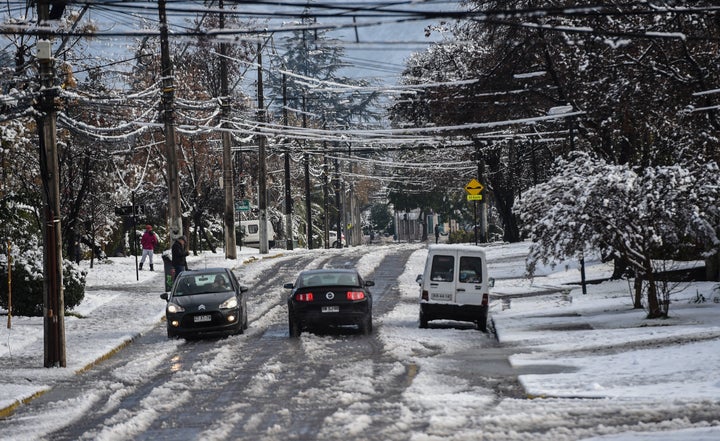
(474,189)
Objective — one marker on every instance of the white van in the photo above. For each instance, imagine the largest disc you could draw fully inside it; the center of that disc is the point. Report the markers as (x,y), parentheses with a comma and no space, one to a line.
(251,233)
(332,234)
(455,285)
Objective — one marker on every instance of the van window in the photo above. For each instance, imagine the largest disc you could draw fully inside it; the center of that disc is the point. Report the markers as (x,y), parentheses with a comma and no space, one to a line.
(253,229)
(442,268)
(470,269)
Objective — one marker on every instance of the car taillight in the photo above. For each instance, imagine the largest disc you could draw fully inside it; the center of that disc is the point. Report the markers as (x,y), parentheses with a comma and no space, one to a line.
(355,295)
(486,299)
(425,295)
(305,297)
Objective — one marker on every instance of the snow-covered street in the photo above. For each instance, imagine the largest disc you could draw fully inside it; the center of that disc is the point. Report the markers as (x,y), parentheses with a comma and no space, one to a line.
(580,366)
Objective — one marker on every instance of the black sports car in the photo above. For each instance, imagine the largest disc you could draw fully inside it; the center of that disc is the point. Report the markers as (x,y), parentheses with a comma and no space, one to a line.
(329,297)
(206,302)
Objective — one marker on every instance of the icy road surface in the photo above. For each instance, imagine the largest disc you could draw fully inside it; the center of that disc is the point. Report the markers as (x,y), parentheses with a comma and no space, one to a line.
(449,382)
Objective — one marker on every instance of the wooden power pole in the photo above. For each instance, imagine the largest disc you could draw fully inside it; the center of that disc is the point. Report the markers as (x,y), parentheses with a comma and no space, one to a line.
(288,194)
(262,161)
(229,215)
(53,296)
(168,96)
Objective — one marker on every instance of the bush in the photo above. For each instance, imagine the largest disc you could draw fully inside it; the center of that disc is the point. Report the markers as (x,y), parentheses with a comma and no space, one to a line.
(461,236)
(27,284)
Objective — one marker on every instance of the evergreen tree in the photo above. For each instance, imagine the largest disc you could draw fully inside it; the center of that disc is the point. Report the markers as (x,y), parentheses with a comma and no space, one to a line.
(310,71)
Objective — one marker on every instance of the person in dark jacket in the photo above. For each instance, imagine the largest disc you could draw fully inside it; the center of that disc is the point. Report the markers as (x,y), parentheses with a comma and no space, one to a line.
(179,255)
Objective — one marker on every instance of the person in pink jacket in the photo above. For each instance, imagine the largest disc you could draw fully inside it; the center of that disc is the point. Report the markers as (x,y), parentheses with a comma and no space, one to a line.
(149,241)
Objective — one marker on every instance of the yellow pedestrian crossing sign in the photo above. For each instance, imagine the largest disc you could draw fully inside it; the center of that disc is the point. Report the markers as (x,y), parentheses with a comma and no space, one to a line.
(474,188)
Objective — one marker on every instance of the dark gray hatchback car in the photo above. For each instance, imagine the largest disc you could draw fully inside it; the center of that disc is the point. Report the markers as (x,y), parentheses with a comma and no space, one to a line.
(205,303)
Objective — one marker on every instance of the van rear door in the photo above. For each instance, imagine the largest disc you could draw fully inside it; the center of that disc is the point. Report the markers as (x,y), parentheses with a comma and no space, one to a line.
(471,283)
(442,270)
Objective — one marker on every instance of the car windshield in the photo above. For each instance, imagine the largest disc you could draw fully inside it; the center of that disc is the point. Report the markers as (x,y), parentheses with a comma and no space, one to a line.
(190,284)
(329,279)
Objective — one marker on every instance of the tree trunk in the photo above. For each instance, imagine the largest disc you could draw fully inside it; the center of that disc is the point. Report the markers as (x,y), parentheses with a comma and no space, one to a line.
(637,304)
(654,308)
(712,268)
(504,198)
(423,221)
(196,238)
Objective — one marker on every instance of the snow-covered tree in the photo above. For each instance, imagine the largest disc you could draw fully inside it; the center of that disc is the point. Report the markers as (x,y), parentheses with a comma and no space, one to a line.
(634,72)
(639,215)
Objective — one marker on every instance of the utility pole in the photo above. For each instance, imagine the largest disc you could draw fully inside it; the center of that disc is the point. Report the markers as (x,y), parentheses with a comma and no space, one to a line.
(483,201)
(53,295)
(347,201)
(306,156)
(326,194)
(229,215)
(262,172)
(168,96)
(338,211)
(288,193)
(308,189)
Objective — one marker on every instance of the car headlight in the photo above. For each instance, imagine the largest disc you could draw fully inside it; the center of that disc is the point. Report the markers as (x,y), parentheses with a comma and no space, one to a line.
(229,303)
(175,308)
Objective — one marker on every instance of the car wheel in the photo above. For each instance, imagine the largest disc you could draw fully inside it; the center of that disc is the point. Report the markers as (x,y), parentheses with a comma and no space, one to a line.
(423,319)
(366,326)
(482,323)
(294,327)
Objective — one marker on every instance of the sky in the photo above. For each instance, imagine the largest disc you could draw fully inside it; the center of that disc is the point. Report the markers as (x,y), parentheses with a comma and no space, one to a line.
(620,358)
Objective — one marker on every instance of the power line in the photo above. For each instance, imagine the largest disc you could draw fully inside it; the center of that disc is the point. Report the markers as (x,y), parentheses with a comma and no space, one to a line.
(376,14)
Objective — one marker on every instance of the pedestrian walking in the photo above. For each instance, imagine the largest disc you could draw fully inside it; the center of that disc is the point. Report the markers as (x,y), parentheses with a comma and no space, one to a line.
(149,241)
(179,255)
(437,233)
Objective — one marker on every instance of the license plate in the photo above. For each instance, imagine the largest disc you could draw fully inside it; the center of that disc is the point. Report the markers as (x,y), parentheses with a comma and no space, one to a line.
(203,318)
(441,296)
(330,309)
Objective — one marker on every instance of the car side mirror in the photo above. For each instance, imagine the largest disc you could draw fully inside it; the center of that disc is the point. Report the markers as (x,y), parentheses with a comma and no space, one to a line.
(491,282)
(244,288)
(369,283)
(164,296)
(418,279)
(289,286)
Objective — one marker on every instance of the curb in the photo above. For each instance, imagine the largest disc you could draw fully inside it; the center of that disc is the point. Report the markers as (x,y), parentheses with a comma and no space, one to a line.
(9,410)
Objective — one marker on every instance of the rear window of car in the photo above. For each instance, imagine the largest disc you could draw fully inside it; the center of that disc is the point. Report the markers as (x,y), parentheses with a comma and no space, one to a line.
(442,268)
(329,279)
(470,269)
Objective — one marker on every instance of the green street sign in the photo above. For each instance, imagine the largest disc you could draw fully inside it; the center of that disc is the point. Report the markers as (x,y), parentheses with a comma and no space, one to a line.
(243,205)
